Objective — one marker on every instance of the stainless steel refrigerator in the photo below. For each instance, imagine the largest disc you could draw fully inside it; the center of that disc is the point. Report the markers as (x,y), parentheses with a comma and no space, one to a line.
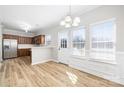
(9,48)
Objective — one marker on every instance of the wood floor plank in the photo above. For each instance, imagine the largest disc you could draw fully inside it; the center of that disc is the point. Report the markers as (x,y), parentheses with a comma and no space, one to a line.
(19,72)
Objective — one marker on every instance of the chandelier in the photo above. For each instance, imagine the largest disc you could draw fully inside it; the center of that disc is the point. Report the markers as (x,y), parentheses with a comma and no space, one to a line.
(70,21)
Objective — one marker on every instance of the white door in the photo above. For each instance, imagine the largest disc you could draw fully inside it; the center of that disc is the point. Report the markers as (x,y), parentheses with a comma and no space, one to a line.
(63,47)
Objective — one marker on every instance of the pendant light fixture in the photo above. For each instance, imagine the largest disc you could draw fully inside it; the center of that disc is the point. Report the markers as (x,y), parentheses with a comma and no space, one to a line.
(70,21)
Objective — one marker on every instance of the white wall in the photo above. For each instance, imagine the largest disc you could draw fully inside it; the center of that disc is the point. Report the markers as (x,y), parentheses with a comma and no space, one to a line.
(41,54)
(113,72)
(54,39)
(0,43)
(23,46)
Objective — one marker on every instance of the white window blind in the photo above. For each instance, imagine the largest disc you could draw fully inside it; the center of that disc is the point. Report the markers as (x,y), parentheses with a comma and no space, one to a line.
(47,39)
(78,41)
(103,40)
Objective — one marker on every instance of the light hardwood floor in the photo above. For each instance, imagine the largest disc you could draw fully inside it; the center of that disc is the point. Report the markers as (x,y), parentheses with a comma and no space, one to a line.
(19,73)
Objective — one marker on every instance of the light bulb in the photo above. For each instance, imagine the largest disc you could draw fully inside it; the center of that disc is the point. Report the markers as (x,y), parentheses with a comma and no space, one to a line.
(26,31)
(62,23)
(67,25)
(75,24)
(76,20)
(68,19)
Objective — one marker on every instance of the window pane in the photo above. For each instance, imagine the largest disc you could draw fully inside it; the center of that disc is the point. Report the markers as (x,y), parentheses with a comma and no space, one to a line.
(94,45)
(78,41)
(103,31)
(79,35)
(63,36)
(109,45)
(103,39)
(63,43)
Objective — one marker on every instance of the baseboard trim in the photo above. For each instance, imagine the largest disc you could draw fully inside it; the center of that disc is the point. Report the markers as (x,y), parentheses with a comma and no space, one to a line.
(55,60)
(43,61)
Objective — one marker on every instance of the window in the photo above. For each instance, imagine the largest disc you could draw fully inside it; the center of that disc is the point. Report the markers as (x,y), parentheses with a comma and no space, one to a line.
(78,41)
(47,39)
(103,40)
(63,39)
(63,43)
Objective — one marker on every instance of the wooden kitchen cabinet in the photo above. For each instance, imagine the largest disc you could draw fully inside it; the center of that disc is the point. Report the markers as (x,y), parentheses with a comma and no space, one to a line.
(30,40)
(7,36)
(20,39)
(24,40)
(24,52)
(39,39)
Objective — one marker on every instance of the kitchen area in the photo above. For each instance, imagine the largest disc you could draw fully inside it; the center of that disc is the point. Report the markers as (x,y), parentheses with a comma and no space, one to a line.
(19,46)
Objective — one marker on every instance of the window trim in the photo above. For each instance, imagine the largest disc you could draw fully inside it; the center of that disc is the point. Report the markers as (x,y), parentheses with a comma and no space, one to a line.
(90,41)
(103,61)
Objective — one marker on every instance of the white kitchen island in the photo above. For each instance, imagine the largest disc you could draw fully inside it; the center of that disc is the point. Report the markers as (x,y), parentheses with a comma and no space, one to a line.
(41,54)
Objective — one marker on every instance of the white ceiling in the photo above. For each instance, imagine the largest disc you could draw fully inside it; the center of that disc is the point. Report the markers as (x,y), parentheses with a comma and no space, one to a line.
(36,17)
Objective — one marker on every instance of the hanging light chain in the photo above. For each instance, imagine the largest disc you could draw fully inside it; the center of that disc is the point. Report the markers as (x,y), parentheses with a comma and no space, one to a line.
(68,21)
